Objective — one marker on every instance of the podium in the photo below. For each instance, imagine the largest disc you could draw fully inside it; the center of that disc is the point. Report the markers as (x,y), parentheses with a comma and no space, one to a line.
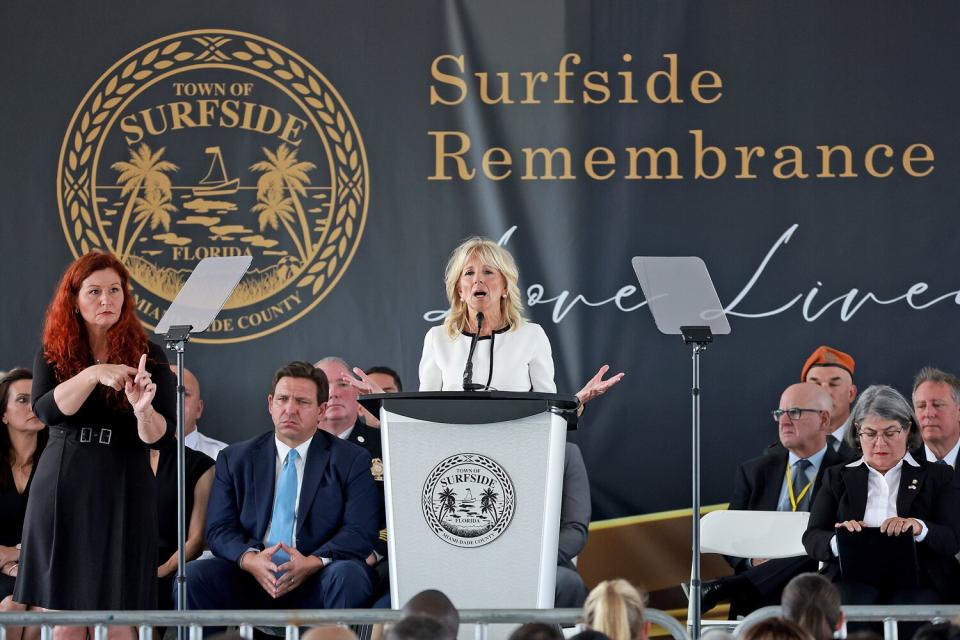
(472,484)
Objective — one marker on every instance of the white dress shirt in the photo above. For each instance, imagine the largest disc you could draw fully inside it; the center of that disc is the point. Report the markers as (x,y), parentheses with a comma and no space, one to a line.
(199,442)
(950,458)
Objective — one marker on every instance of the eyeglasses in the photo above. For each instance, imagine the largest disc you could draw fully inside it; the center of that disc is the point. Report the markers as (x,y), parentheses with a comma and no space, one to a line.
(793,413)
(871,435)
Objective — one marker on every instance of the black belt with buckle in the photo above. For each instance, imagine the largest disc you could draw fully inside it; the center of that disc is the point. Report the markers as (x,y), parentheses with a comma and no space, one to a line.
(86,435)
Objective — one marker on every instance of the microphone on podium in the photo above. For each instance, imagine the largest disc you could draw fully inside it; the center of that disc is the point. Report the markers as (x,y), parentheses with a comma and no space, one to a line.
(468,383)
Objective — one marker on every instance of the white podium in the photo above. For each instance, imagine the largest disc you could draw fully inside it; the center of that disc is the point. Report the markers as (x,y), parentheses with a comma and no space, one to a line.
(473,482)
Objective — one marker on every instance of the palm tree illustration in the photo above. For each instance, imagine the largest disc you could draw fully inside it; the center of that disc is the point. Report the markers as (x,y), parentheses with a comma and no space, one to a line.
(282,170)
(448,501)
(488,502)
(275,209)
(146,171)
(155,208)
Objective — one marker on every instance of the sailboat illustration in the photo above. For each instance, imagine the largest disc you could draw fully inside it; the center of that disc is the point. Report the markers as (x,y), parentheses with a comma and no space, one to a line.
(216,182)
(468,498)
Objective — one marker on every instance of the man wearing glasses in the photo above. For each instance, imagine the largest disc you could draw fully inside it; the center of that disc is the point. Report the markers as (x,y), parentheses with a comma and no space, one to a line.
(785,479)
(936,401)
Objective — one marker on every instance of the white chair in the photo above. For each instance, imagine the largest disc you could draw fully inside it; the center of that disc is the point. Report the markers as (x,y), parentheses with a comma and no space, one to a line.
(754,534)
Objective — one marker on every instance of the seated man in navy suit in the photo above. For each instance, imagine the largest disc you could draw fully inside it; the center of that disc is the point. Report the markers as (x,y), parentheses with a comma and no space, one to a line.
(293,513)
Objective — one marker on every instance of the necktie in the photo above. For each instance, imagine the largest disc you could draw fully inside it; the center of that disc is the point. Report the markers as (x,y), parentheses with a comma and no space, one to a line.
(941,462)
(801,488)
(284,508)
(833,442)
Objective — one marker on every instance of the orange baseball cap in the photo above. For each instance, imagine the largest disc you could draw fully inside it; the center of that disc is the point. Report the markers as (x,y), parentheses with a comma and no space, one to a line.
(826,356)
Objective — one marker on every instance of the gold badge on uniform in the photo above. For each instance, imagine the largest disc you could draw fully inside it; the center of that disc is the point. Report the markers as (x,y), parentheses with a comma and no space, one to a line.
(376,469)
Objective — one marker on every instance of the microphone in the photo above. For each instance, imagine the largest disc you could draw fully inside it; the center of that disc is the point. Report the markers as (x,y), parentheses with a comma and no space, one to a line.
(468,383)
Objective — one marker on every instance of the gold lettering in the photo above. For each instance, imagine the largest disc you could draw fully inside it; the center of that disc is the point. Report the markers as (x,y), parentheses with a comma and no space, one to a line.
(532,80)
(796,161)
(548,156)
(447,79)
(909,159)
(489,161)
(590,161)
(697,85)
(826,153)
(699,151)
(746,153)
(671,78)
(869,162)
(653,155)
(440,155)
(601,87)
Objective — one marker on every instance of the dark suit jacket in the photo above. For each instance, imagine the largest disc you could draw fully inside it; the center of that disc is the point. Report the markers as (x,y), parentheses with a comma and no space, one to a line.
(368,437)
(936,501)
(338,515)
(758,483)
(574,507)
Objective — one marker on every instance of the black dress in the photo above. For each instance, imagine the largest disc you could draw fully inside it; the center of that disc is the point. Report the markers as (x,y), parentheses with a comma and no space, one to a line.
(13,505)
(197,464)
(90,530)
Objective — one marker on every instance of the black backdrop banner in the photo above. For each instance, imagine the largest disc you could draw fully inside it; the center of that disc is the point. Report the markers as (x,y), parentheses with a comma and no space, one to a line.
(806,151)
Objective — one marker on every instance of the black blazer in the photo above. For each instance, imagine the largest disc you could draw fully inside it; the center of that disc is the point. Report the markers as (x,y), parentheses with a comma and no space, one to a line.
(935,500)
(759,480)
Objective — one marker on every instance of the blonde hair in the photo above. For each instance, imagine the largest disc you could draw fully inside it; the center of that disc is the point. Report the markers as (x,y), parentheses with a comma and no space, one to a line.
(615,608)
(511,308)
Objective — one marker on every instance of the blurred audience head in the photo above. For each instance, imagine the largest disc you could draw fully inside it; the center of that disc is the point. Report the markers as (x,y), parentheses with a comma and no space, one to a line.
(329,632)
(419,628)
(192,402)
(813,602)
(938,631)
(536,631)
(435,604)
(775,629)
(616,608)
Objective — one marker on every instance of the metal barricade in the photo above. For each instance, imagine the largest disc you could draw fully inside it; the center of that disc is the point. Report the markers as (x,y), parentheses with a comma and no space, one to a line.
(290,620)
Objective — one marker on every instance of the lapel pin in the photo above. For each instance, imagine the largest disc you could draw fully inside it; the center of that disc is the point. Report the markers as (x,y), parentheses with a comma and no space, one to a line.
(360,439)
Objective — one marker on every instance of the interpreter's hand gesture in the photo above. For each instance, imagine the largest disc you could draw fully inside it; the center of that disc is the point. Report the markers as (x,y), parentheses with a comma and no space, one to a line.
(851,525)
(295,570)
(115,376)
(260,565)
(141,390)
(597,386)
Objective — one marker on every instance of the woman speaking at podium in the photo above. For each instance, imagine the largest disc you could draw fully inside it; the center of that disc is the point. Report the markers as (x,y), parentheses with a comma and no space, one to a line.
(485,343)
(107,394)
(485,317)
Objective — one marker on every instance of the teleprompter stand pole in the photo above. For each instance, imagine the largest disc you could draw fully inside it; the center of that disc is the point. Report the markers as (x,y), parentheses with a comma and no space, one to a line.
(176,339)
(698,338)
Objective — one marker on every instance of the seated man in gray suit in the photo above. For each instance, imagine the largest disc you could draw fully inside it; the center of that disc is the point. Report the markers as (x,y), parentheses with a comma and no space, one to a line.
(293,513)
(574,520)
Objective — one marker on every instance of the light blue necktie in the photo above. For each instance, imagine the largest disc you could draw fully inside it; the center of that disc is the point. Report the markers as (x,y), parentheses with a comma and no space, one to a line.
(284,508)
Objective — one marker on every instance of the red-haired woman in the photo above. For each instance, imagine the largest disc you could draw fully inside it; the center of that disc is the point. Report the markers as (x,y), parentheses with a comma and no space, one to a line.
(107,394)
